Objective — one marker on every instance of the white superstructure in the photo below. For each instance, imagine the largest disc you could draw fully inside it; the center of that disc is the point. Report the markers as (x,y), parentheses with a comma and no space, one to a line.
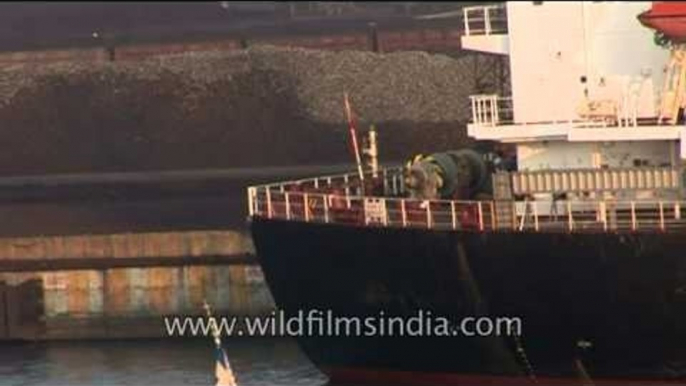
(588,86)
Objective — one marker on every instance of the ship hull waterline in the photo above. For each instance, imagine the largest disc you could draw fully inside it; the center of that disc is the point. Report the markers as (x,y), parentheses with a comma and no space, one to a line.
(608,306)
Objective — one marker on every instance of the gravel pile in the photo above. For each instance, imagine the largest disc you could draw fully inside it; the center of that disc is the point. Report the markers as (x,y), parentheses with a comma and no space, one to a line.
(261,106)
(402,86)
(412,86)
(192,69)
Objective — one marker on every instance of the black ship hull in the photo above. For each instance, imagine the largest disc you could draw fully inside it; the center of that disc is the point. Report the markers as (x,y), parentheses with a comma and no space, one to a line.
(601,306)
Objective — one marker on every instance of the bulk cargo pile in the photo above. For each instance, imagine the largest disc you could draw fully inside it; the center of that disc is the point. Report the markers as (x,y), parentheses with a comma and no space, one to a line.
(255,107)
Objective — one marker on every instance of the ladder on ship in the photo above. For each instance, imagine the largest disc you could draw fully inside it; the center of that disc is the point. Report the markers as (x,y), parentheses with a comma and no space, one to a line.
(502,194)
(674,89)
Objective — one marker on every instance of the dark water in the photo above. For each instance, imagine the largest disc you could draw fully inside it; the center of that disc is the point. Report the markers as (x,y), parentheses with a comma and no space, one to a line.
(256,362)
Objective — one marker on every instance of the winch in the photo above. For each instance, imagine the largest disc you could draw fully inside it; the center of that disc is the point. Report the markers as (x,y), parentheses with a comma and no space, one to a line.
(456,174)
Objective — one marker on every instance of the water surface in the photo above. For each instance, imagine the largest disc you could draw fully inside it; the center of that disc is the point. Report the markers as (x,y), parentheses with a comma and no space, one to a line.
(256,362)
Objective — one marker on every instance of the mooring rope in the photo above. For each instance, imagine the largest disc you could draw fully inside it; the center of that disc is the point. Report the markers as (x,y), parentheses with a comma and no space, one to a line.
(524,358)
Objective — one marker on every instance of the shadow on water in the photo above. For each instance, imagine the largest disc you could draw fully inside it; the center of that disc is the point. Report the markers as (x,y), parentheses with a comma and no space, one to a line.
(256,362)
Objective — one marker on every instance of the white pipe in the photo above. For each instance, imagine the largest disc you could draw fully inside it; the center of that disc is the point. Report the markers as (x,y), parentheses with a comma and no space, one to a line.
(306,207)
(288,206)
(662,216)
(251,201)
(403,212)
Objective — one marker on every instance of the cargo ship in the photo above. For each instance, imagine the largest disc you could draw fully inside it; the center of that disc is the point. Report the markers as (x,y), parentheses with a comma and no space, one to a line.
(579,232)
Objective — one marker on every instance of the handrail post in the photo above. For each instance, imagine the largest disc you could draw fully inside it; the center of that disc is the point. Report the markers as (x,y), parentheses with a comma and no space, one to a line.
(401,185)
(428,214)
(394,184)
(602,208)
(346,181)
(251,201)
(474,116)
(496,113)
(514,214)
(481,216)
(493,216)
(633,216)
(385,181)
(570,220)
(286,197)
(326,208)
(269,203)
(306,207)
(662,216)
(487,20)
(535,216)
(454,215)
(479,113)
(526,212)
(466,21)
(385,212)
(328,181)
(403,212)
(677,210)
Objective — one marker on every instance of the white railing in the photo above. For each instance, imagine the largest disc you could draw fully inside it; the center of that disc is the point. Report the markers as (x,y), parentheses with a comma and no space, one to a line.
(494,110)
(391,180)
(485,19)
(595,180)
(371,211)
(491,109)
(599,216)
(389,183)
(280,201)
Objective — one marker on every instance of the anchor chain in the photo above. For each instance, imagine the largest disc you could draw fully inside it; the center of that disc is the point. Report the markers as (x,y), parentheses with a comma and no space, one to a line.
(524,358)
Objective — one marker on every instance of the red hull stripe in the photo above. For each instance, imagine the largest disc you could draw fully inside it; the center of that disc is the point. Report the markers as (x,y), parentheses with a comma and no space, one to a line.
(365,377)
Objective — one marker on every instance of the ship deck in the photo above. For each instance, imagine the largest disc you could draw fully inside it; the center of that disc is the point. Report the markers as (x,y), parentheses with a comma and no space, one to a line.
(382,201)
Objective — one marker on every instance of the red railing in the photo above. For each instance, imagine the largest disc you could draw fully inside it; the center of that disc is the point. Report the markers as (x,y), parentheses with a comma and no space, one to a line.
(337,199)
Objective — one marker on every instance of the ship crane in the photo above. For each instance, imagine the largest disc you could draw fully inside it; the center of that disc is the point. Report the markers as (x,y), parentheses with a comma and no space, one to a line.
(668,19)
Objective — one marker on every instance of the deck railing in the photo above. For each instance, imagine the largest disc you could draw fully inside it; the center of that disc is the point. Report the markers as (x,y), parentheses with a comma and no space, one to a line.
(494,110)
(596,180)
(485,19)
(321,200)
(491,110)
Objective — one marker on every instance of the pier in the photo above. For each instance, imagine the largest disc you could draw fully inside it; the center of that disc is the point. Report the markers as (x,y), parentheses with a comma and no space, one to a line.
(133,250)
(109,255)
(122,285)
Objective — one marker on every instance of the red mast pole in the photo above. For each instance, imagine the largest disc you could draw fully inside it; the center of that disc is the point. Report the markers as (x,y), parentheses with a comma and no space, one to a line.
(353,137)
